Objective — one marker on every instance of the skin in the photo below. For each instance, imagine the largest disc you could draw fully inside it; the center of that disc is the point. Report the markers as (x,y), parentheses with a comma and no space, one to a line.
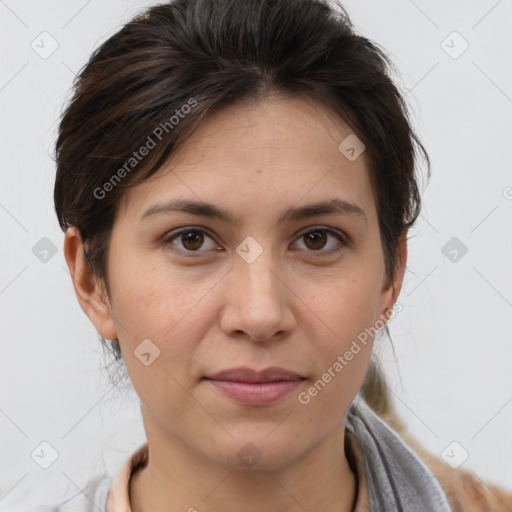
(212,310)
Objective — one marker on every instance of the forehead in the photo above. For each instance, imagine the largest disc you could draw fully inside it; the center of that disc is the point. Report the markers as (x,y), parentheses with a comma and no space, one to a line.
(296,124)
(277,149)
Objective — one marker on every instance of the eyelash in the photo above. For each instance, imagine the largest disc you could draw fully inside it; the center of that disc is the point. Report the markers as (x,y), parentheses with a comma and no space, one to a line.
(320,253)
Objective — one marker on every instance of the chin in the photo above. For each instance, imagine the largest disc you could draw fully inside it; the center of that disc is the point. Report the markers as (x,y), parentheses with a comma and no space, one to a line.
(260,452)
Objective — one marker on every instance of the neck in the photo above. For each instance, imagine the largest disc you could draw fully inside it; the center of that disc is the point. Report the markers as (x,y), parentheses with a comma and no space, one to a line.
(177,480)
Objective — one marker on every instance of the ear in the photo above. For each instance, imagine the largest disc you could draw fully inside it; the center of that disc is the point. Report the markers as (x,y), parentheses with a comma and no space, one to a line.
(391,292)
(90,292)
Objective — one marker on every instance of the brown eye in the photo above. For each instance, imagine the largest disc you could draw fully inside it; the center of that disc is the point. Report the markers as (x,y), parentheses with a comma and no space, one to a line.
(190,240)
(315,240)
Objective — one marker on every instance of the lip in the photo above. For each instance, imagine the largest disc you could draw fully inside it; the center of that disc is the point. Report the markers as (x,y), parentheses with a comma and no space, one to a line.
(245,374)
(251,387)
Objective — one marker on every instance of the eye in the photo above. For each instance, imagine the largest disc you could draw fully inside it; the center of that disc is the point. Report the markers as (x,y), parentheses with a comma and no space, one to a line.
(189,240)
(316,239)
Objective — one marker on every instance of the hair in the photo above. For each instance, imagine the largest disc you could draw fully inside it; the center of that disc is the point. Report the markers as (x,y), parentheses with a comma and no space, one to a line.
(151,83)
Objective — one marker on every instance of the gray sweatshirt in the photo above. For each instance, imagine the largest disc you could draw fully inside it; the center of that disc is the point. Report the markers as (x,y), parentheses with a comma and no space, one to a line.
(398,480)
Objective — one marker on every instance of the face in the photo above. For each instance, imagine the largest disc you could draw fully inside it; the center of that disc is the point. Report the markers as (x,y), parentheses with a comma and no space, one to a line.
(259,278)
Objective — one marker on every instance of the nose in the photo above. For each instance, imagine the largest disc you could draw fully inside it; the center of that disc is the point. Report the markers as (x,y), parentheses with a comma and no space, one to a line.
(258,302)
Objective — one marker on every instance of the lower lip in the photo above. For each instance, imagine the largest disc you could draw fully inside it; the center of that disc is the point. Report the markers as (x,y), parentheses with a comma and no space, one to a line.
(256,393)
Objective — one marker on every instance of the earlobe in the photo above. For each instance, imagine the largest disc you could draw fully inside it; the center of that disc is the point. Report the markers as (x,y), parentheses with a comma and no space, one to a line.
(391,294)
(89,292)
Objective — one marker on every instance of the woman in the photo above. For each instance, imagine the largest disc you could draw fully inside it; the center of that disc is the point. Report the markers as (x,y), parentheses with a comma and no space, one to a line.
(236,181)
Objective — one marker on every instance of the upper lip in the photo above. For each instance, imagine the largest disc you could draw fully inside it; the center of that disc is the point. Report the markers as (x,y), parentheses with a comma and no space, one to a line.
(244,374)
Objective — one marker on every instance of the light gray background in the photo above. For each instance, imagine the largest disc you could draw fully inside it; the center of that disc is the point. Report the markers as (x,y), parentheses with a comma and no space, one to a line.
(453,378)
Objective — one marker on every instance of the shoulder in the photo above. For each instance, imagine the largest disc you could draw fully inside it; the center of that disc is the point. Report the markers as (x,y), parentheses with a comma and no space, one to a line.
(464,490)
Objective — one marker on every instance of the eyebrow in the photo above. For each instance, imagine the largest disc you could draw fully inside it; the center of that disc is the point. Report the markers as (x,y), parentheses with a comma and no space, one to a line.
(202,209)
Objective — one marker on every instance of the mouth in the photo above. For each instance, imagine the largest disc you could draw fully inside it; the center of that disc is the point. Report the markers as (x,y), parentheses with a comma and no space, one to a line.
(250,387)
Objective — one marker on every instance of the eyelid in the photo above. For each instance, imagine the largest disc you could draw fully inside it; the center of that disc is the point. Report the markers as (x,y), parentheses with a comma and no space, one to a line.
(171,235)
(342,237)
(328,229)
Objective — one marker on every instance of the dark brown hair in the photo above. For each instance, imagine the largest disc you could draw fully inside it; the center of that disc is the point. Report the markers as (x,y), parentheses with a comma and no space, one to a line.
(206,54)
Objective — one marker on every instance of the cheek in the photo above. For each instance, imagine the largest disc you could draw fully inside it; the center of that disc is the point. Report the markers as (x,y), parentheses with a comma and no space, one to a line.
(154,300)
(152,305)
(342,357)
(159,307)
(348,307)
(349,310)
